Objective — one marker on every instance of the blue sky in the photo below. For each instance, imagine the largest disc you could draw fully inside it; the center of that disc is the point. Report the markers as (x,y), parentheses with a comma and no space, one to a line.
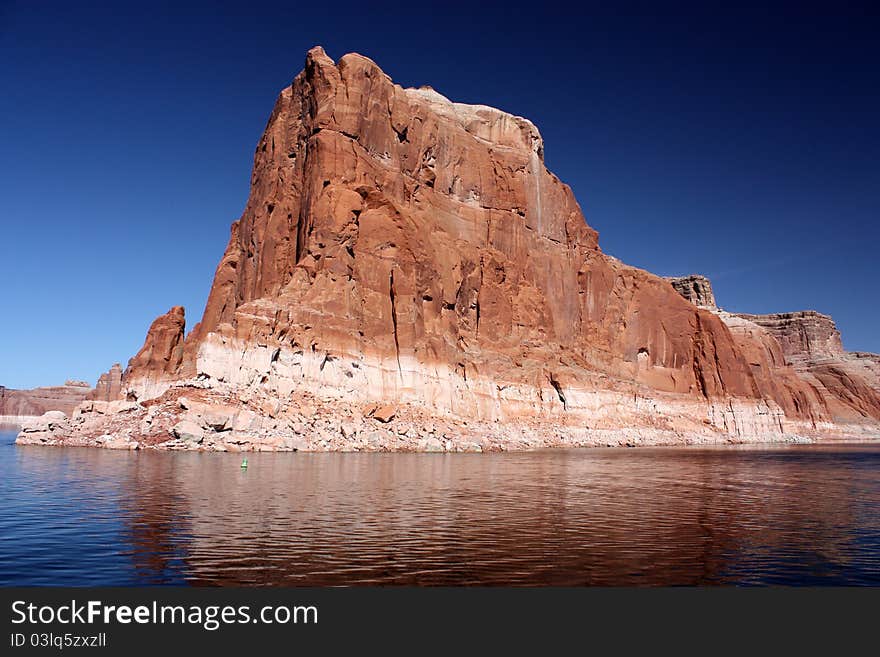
(742,144)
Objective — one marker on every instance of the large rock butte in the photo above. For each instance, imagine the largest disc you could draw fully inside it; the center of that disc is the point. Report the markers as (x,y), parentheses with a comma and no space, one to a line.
(407,274)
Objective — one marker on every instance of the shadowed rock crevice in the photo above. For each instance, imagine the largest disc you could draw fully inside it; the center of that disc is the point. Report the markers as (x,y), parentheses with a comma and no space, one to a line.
(558,388)
(394,322)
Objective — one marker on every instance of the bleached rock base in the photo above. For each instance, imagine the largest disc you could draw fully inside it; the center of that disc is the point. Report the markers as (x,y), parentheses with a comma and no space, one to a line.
(211,415)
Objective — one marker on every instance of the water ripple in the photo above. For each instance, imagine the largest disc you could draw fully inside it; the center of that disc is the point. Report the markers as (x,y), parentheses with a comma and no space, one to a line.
(782,515)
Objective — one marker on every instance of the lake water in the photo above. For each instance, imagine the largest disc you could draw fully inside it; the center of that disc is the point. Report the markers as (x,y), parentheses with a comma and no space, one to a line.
(801,515)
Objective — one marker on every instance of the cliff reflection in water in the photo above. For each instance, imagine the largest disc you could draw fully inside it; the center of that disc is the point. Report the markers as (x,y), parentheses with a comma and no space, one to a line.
(792,515)
(568,518)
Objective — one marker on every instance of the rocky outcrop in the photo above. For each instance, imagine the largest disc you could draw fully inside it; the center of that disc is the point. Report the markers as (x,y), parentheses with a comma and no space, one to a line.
(16,405)
(211,416)
(157,363)
(407,254)
(696,289)
(109,385)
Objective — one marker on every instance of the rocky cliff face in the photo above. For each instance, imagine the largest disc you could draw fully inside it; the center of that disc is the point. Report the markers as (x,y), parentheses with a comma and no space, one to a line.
(405,262)
(805,353)
(849,383)
(397,245)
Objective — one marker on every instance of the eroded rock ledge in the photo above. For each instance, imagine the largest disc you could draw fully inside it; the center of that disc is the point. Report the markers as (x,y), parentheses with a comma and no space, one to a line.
(193,416)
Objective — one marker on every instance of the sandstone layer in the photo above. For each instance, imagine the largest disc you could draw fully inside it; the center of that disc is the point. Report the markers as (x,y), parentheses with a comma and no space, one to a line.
(407,274)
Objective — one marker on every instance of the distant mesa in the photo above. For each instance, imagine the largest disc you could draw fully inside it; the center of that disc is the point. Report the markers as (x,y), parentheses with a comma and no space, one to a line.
(18,405)
(407,254)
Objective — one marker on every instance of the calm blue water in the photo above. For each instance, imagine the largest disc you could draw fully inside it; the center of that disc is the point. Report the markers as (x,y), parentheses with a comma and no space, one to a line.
(785,515)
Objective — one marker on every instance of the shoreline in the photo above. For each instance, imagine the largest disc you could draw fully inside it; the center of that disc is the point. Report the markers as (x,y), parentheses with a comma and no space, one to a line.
(695,444)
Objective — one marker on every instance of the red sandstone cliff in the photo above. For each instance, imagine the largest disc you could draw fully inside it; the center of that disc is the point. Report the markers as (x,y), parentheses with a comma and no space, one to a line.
(848,383)
(400,248)
(396,225)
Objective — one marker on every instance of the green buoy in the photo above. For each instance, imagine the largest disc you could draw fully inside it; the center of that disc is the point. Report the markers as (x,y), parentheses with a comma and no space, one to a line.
(244,463)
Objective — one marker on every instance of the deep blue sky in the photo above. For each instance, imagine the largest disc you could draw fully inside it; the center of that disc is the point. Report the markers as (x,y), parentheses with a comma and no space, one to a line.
(742,144)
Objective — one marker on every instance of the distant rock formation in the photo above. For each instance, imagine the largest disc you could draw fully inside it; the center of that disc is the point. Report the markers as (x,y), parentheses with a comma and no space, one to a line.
(407,274)
(840,386)
(18,404)
(810,342)
(803,336)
